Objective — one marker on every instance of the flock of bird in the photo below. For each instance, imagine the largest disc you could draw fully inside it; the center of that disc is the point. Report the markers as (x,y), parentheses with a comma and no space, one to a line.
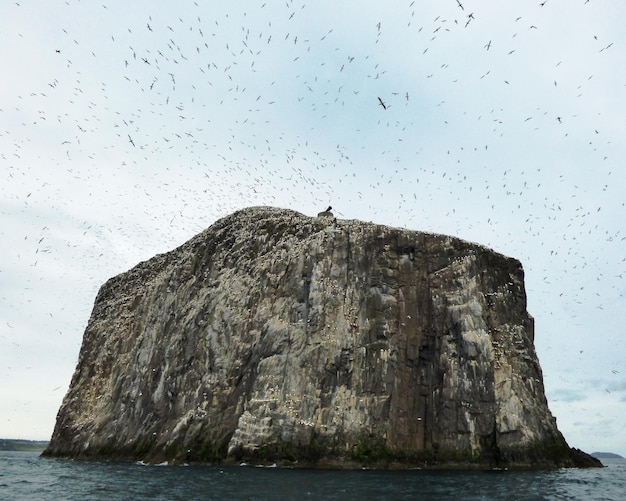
(126,129)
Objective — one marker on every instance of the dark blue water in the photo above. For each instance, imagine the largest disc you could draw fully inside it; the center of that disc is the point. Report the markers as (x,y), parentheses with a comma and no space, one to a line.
(23,475)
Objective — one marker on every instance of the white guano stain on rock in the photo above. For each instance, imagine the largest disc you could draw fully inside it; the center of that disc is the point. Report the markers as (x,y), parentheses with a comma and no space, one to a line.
(276,336)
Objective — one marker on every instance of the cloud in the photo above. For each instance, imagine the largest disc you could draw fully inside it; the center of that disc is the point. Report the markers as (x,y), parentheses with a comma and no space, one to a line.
(566,395)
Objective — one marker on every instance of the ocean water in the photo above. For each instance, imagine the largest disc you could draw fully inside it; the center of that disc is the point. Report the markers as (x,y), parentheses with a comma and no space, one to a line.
(24,475)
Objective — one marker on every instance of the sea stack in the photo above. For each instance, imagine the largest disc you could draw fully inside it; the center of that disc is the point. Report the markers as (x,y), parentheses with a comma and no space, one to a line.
(274,337)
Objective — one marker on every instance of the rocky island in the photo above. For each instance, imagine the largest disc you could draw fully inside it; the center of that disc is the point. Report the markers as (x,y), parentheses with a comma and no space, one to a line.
(277,337)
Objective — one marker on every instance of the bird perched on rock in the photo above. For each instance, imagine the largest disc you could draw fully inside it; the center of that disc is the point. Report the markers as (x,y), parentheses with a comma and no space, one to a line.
(326,213)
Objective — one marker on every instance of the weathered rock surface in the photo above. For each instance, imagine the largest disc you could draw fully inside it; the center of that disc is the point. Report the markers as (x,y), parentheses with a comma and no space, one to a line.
(273,336)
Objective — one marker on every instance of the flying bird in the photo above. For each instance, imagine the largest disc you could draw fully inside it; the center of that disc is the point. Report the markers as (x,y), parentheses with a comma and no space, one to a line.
(380,101)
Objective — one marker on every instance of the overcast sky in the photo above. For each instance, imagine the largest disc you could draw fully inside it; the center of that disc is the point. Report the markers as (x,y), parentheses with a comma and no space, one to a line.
(128,127)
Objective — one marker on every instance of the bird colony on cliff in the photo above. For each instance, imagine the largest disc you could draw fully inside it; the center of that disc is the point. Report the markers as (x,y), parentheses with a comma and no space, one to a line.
(128,128)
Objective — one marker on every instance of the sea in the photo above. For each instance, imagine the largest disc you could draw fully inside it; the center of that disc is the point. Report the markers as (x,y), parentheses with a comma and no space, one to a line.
(25,475)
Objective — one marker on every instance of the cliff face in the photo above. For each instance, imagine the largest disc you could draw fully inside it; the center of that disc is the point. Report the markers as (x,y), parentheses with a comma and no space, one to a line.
(273,336)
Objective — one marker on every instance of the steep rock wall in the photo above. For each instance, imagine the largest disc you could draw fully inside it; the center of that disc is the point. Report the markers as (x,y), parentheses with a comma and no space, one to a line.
(273,336)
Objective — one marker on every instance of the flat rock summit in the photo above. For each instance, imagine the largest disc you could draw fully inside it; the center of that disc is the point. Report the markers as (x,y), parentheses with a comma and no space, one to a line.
(274,337)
